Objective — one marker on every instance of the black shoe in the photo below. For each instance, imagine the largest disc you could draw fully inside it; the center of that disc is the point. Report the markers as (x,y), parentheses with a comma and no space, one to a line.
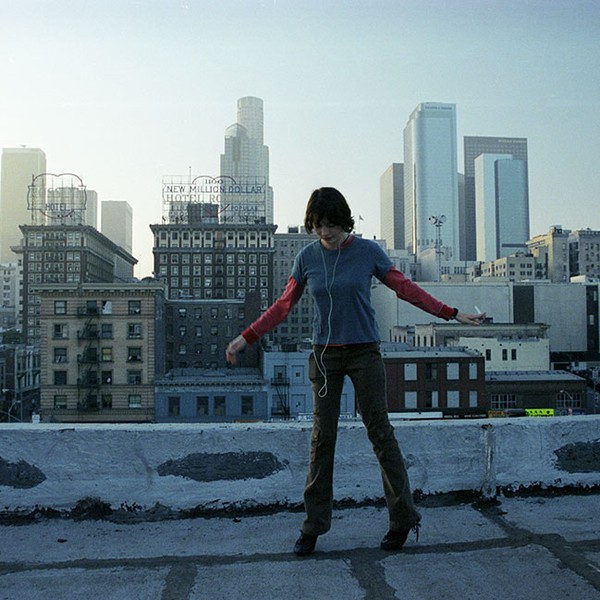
(395,540)
(305,544)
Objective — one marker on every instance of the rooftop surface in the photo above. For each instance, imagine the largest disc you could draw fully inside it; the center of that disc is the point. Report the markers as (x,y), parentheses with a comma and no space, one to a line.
(519,548)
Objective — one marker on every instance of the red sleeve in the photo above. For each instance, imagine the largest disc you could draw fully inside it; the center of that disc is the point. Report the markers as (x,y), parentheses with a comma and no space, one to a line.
(408,290)
(276,313)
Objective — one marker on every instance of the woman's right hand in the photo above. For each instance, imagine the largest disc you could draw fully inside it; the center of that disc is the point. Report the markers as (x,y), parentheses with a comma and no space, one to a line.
(234,347)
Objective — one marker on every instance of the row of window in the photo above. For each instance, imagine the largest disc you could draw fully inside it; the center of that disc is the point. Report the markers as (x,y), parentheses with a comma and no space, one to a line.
(432,399)
(38,238)
(513,354)
(61,401)
(206,406)
(95,307)
(210,258)
(209,271)
(206,239)
(60,331)
(91,355)
(208,282)
(432,371)
(95,378)
(563,400)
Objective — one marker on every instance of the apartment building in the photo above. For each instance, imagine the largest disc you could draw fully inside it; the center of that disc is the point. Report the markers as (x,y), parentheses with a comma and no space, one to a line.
(101,345)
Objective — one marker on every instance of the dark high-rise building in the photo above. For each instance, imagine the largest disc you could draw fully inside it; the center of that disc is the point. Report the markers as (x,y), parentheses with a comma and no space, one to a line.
(474,146)
(66,254)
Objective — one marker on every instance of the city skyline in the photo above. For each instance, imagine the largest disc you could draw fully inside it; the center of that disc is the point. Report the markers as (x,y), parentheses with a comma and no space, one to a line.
(123,93)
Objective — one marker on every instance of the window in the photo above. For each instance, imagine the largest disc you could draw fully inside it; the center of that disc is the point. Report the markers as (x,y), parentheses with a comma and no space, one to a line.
(568,400)
(134,330)
(106,354)
(410,372)
(60,378)
(134,354)
(452,371)
(60,402)
(60,331)
(431,399)
(106,400)
(60,355)
(106,377)
(106,331)
(513,354)
(472,399)
(106,307)
(174,406)
(219,406)
(504,354)
(134,401)
(247,405)
(502,401)
(202,406)
(134,377)
(91,307)
(453,398)
(134,307)
(410,399)
(431,371)
(472,370)
(60,307)
(488,354)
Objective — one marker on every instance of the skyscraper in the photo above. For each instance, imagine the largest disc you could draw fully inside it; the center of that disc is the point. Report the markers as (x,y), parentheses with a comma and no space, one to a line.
(91,209)
(391,190)
(19,166)
(245,162)
(473,147)
(117,223)
(502,209)
(430,177)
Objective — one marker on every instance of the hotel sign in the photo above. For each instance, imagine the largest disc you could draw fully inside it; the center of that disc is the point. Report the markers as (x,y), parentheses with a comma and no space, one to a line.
(57,198)
(234,200)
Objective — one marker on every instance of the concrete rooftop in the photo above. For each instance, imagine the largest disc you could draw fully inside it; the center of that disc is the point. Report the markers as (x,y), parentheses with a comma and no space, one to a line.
(522,548)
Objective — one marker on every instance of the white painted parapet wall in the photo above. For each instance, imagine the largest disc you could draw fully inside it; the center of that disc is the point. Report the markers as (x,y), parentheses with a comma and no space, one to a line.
(218,466)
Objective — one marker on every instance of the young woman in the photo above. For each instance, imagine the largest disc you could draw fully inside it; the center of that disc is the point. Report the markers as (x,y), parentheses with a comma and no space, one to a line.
(337,269)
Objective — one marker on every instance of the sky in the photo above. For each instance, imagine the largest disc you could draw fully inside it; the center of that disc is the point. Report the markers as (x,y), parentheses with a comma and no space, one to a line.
(124,92)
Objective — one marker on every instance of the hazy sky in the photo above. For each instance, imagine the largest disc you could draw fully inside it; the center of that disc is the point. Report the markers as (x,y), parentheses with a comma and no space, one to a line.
(122,92)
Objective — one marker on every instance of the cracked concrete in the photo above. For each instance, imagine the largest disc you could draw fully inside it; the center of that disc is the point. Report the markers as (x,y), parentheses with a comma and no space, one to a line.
(518,549)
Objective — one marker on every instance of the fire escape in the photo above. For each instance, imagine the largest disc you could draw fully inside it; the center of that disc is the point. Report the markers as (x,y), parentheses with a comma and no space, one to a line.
(88,360)
(282,389)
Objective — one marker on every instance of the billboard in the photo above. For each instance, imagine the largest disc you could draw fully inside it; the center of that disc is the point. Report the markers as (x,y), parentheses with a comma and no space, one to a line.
(220,199)
(57,199)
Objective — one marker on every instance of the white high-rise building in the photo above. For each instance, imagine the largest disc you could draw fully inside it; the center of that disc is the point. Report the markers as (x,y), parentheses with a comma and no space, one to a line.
(502,207)
(117,223)
(91,208)
(431,178)
(248,197)
(19,167)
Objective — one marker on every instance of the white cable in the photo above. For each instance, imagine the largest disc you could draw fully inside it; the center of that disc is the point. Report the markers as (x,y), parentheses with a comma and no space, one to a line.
(323,390)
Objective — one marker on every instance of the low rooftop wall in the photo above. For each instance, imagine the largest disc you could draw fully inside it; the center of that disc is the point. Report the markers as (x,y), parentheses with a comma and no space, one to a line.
(182,468)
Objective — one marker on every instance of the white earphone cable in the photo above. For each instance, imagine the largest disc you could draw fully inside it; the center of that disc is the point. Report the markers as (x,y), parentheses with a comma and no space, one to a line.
(328,286)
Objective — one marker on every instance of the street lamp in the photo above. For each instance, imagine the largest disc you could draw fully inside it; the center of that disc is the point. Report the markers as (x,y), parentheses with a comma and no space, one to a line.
(572,400)
(13,403)
(438,221)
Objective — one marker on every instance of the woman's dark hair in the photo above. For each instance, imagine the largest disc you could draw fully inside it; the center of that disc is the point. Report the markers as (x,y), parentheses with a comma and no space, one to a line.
(328,204)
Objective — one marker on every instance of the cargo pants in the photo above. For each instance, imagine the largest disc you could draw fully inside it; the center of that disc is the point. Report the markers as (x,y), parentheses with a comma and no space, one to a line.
(364,366)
